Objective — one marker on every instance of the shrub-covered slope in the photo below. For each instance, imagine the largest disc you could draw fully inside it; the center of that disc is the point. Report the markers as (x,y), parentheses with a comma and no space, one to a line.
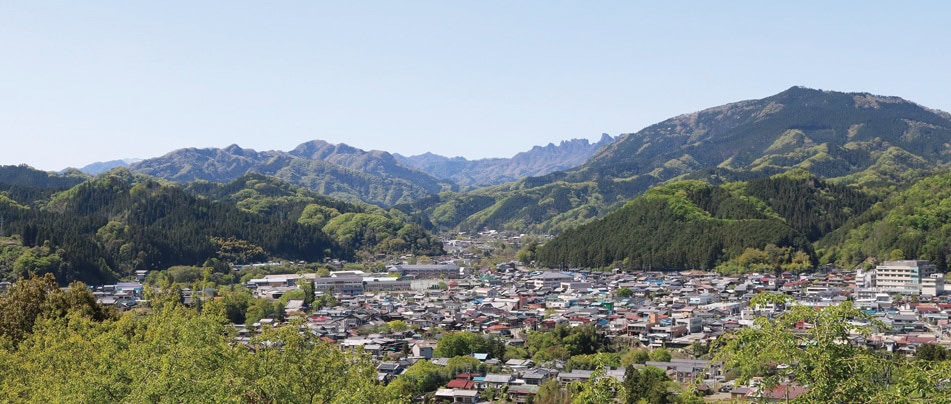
(691,224)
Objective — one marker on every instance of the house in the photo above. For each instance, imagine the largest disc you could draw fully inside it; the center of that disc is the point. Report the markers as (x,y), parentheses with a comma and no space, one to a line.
(519,364)
(461,384)
(551,279)
(781,393)
(423,350)
(387,371)
(497,380)
(457,396)
(294,306)
(537,376)
(575,376)
(521,393)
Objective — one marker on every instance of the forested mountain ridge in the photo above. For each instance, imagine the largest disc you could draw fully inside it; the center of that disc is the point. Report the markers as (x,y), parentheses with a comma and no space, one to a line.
(854,138)
(915,221)
(830,134)
(339,171)
(692,224)
(119,222)
(355,226)
(26,176)
(540,160)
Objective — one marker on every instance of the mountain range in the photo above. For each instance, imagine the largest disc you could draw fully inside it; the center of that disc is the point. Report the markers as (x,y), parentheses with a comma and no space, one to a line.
(801,177)
(356,175)
(540,160)
(851,138)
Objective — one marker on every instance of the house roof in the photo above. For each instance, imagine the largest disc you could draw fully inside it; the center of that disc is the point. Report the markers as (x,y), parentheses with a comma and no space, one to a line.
(456,393)
(552,275)
(497,378)
(460,384)
(523,389)
(785,392)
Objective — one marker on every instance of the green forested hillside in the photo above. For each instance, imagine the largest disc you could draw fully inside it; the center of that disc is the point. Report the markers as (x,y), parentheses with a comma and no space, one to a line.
(355,226)
(25,176)
(831,134)
(915,220)
(812,206)
(119,222)
(691,224)
(526,207)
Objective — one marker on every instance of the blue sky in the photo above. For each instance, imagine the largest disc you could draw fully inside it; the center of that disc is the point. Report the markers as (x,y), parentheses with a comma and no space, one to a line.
(93,81)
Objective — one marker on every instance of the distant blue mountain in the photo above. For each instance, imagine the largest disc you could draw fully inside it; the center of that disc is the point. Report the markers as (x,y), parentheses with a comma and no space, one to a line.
(538,161)
(103,166)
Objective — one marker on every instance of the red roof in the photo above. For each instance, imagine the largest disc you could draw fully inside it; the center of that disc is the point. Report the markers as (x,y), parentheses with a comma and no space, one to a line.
(461,384)
(913,339)
(785,392)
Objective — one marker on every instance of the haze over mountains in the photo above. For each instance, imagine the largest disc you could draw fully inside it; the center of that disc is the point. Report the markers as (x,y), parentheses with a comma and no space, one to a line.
(835,154)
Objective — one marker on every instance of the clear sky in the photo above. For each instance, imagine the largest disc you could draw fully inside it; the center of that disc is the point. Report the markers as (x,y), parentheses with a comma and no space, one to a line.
(86,81)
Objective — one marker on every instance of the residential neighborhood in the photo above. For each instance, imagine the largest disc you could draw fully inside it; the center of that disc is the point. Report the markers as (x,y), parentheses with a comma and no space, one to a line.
(399,317)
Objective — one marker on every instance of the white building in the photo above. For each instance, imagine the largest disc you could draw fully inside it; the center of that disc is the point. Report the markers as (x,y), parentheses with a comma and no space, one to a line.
(551,279)
(348,285)
(933,285)
(902,276)
(385,284)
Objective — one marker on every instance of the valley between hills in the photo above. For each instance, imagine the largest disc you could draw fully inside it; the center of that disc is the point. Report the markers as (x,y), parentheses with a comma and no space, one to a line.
(786,248)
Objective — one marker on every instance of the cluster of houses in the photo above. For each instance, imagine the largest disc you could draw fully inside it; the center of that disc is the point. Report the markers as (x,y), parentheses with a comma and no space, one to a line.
(650,309)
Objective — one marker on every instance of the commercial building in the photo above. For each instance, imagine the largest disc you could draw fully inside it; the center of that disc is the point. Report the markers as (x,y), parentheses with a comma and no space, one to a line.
(902,276)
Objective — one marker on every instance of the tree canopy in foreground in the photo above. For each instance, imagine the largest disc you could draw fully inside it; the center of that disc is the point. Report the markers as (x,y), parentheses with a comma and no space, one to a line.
(822,350)
(67,352)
